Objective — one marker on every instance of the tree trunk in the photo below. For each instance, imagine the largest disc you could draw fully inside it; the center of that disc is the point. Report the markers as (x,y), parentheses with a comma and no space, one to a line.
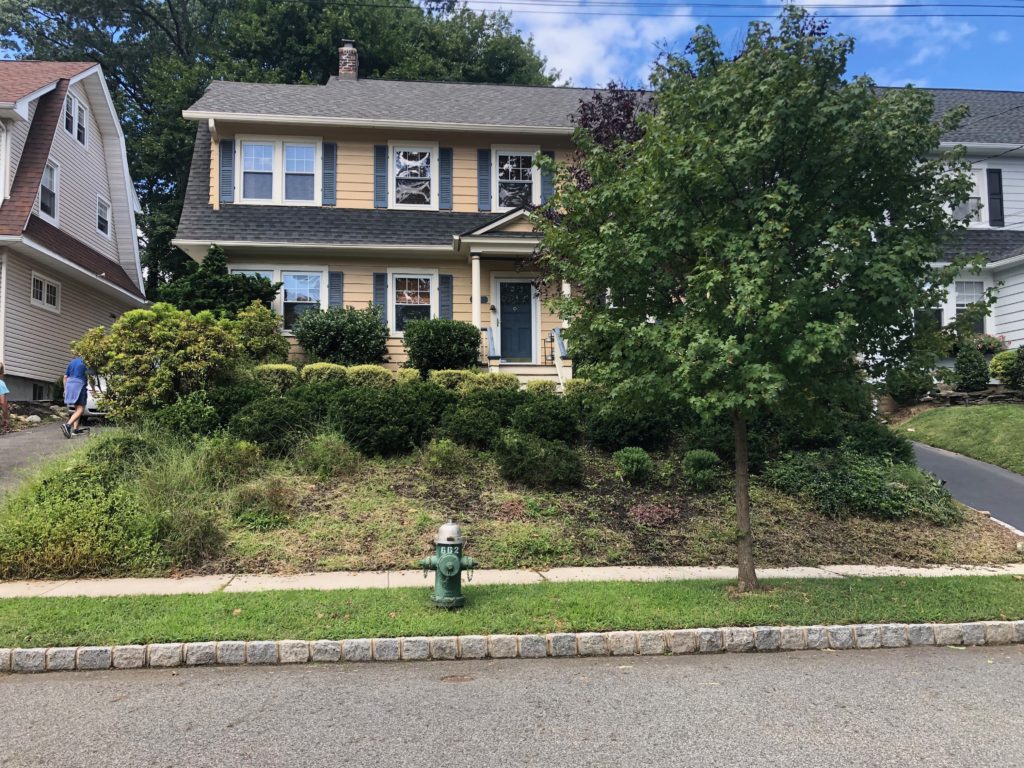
(744,538)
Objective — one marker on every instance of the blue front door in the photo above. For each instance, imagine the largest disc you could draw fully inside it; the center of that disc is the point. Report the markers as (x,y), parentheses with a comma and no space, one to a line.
(516,308)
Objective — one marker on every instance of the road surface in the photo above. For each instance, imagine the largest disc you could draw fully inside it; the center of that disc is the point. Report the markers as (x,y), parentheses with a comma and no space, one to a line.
(931,707)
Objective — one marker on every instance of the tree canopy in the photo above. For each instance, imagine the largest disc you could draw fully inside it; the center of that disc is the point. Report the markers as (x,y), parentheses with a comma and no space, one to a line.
(212,287)
(159,55)
(765,238)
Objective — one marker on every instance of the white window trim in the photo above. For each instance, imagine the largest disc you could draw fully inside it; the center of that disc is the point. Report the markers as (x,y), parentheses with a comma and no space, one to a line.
(515,277)
(435,292)
(42,303)
(512,149)
(55,219)
(110,224)
(414,146)
(293,270)
(76,105)
(277,171)
(71,100)
(5,159)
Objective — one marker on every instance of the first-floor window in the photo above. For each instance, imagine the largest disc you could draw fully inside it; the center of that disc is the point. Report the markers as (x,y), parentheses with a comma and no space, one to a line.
(45,293)
(969,292)
(301,294)
(412,299)
(48,191)
(102,216)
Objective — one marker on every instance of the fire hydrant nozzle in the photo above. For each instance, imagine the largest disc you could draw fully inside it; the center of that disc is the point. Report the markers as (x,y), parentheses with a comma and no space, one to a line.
(448,563)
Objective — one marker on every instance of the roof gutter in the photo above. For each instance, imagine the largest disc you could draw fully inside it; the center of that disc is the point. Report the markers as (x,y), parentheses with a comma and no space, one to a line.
(197,248)
(1013,261)
(353,122)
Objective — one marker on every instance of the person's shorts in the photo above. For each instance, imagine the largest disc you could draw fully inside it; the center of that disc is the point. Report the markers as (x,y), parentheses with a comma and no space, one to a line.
(75,393)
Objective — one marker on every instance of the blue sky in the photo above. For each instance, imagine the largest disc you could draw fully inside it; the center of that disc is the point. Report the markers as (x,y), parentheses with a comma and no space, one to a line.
(592,41)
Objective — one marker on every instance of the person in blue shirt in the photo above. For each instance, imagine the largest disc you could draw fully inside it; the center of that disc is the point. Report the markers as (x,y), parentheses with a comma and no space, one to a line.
(75,394)
(4,405)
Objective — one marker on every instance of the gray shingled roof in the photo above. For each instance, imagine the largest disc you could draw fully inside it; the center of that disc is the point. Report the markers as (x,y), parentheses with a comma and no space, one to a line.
(321,226)
(480,104)
(996,244)
(996,117)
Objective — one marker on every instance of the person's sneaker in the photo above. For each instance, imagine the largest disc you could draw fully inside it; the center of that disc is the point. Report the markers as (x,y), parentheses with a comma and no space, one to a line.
(66,430)
(81,431)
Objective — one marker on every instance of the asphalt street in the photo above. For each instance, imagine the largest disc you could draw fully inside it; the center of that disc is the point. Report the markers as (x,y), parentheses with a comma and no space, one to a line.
(910,707)
(977,484)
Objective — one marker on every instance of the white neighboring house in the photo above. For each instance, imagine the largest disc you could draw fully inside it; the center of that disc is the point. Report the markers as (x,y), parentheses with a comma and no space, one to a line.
(69,253)
(993,134)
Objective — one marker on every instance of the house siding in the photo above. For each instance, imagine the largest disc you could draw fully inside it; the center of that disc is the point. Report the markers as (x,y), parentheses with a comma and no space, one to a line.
(82,175)
(36,340)
(1013,191)
(1008,313)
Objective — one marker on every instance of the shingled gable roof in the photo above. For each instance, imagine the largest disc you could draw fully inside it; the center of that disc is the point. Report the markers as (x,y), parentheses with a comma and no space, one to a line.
(306,224)
(19,79)
(996,244)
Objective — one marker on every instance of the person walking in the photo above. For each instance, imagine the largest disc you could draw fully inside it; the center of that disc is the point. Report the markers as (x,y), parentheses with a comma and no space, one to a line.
(5,407)
(75,394)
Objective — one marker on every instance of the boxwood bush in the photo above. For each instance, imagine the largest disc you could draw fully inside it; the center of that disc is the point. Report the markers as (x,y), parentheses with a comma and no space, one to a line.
(276,378)
(701,469)
(346,336)
(439,345)
(385,421)
(471,424)
(634,465)
(325,373)
(547,416)
(192,415)
(970,370)
(370,376)
(537,462)
(276,424)
(999,366)
(451,379)
(613,425)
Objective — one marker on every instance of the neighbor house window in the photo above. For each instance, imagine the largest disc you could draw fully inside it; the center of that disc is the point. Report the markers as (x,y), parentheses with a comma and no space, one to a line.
(80,124)
(257,171)
(75,118)
(514,178)
(48,192)
(994,176)
(69,115)
(299,172)
(412,179)
(968,293)
(301,294)
(413,298)
(45,293)
(102,216)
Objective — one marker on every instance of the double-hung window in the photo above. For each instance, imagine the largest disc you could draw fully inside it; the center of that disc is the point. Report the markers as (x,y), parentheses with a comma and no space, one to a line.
(968,293)
(48,192)
(412,181)
(514,178)
(81,124)
(257,170)
(76,118)
(69,115)
(300,172)
(301,294)
(412,298)
(45,293)
(102,217)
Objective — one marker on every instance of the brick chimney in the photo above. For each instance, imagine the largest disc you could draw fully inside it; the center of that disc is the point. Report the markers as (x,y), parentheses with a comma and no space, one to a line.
(348,61)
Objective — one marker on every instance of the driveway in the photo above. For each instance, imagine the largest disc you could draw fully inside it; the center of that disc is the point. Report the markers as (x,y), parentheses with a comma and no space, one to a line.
(977,484)
(22,452)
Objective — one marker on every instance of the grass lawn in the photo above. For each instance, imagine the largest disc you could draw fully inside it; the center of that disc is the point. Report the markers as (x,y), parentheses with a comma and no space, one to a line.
(992,433)
(32,622)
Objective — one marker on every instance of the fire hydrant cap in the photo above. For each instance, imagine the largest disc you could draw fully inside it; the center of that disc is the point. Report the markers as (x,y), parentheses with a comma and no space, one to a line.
(449,533)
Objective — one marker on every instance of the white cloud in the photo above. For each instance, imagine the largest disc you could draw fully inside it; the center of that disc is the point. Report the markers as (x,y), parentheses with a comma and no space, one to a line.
(1001,36)
(591,50)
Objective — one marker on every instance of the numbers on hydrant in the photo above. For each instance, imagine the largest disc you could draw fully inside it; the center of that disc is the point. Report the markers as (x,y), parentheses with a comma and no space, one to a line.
(448,563)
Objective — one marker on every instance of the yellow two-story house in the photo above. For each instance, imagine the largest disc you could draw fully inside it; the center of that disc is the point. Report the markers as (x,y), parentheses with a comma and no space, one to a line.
(407,195)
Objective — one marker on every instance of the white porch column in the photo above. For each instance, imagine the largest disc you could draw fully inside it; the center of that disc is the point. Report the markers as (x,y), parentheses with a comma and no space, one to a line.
(474,263)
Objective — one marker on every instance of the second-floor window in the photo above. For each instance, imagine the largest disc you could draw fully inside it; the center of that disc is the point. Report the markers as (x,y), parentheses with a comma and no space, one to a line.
(412,181)
(994,177)
(102,216)
(48,192)
(257,171)
(299,172)
(279,171)
(76,119)
(513,178)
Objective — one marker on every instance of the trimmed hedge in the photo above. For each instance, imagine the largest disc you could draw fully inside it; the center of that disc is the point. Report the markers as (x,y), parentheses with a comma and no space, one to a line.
(276,424)
(536,462)
(439,345)
(547,416)
(277,378)
(345,336)
(325,373)
(385,421)
(370,376)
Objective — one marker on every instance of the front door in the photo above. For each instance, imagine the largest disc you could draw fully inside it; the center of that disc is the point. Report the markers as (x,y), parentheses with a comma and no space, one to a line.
(516,321)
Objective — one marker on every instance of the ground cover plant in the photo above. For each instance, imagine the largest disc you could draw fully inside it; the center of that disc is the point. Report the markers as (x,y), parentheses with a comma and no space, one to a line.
(989,433)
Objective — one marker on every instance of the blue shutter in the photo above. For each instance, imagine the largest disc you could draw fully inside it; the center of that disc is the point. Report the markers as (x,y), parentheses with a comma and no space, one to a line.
(330,173)
(444,184)
(335,289)
(380,293)
(445,309)
(547,179)
(227,171)
(483,179)
(380,176)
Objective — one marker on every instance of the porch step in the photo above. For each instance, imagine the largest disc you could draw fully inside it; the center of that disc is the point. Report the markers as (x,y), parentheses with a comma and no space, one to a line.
(527,373)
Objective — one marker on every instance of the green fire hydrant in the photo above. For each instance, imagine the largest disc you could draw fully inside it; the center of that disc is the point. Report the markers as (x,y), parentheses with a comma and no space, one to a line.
(448,563)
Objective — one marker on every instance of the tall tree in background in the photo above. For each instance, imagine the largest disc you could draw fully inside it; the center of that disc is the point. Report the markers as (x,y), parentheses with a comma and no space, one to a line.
(763,238)
(159,55)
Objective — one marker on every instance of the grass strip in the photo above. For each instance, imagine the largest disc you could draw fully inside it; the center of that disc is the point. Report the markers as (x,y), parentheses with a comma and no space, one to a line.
(32,622)
(989,433)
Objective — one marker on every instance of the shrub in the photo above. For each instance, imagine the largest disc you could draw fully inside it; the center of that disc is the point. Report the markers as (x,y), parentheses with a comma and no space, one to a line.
(190,534)
(542,388)
(407,375)
(325,373)
(988,344)
(505,381)
(275,424)
(116,453)
(578,387)
(258,331)
(872,438)
(537,462)
(446,458)
(326,455)
(701,469)
(370,376)
(613,425)
(999,366)
(320,399)
(264,504)
(908,385)
(228,399)
(191,415)
(276,378)
(211,286)
(451,379)
(634,465)
(224,460)
(440,345)
(345,336)
(841,483)
(547,416)
(501,402)
(1015,372)
(970,370)
(387,421)
(471,424)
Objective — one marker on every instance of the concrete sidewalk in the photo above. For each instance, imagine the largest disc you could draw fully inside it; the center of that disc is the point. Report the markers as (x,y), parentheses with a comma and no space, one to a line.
(396,579)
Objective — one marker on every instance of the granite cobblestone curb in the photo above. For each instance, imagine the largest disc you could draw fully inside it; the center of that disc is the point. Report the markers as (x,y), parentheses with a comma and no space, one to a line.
(554,645)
